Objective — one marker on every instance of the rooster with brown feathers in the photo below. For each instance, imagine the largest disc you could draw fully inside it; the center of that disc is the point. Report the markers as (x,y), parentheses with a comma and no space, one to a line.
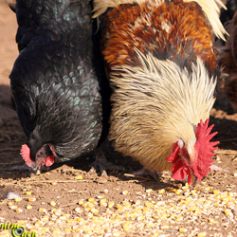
(162,70)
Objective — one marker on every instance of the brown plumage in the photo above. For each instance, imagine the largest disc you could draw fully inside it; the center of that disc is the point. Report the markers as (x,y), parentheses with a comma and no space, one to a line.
(161,67)
(167,34)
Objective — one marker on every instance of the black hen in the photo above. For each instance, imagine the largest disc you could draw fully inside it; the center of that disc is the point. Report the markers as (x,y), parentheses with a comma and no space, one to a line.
(53,82)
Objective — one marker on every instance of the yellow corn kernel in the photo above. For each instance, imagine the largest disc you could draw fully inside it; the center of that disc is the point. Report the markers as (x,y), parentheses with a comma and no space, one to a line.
(53,203)
(182,230)
(178,191)
(111,204)
(91,200)
(216,192)
(79,177)
(18,199)
(126,226)
(162,191)
(228,212)
(202,234)
(29,207)
(31,199)
(125,192)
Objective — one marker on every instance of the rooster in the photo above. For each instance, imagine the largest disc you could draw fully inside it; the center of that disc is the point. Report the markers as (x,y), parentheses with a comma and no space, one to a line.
(162,69)
(55,88)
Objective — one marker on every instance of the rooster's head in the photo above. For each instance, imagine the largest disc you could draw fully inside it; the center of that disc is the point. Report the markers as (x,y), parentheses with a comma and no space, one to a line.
(193,161)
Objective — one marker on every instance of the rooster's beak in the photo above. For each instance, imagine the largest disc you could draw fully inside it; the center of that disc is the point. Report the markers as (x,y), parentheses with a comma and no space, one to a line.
(194,181)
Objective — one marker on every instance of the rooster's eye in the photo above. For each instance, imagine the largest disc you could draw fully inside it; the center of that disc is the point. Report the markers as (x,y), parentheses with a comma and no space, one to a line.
(180,143)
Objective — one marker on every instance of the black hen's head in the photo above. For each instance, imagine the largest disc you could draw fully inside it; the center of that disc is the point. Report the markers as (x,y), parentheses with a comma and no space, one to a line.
(45,156)
(36,154)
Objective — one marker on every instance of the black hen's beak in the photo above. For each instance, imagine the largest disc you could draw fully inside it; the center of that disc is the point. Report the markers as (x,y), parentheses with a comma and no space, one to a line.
(34,167)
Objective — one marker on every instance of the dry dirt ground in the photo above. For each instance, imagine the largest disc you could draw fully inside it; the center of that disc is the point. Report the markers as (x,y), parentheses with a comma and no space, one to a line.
(70,201)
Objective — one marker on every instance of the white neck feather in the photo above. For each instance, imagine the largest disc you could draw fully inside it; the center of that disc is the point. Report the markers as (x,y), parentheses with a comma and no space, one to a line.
(168,95)
(100,6)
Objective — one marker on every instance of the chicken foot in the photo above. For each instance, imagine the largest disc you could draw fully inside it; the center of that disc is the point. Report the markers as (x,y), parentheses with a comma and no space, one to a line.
(101,165)
(145,173)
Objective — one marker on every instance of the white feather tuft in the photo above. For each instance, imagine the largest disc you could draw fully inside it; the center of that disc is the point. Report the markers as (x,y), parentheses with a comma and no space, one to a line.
(100,6)
(188,96)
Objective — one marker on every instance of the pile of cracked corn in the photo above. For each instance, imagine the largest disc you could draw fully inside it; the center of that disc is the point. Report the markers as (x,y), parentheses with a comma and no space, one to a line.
(165,212)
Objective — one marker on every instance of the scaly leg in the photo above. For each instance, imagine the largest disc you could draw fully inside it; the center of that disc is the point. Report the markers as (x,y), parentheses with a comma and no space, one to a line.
(101,165)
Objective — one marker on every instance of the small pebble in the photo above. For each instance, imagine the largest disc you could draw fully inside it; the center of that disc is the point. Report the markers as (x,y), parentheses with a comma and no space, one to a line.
(12,195)
(19,210)
(78,210)
(13,207)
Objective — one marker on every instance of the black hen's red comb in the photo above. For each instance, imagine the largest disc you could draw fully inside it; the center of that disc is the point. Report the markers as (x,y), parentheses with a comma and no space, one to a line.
(25,154)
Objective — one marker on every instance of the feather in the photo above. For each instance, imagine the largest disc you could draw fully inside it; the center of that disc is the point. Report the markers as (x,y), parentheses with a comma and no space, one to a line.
(210,7)
(196,87)
(212,10)
(100,6)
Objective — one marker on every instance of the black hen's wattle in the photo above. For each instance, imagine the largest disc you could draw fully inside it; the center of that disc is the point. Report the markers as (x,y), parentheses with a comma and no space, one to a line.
(53,81)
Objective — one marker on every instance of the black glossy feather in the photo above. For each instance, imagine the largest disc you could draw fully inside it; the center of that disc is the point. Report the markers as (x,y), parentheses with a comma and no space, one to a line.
(53,81)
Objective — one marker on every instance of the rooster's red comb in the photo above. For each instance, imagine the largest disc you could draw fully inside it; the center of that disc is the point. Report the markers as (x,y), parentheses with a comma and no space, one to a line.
(204,148)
